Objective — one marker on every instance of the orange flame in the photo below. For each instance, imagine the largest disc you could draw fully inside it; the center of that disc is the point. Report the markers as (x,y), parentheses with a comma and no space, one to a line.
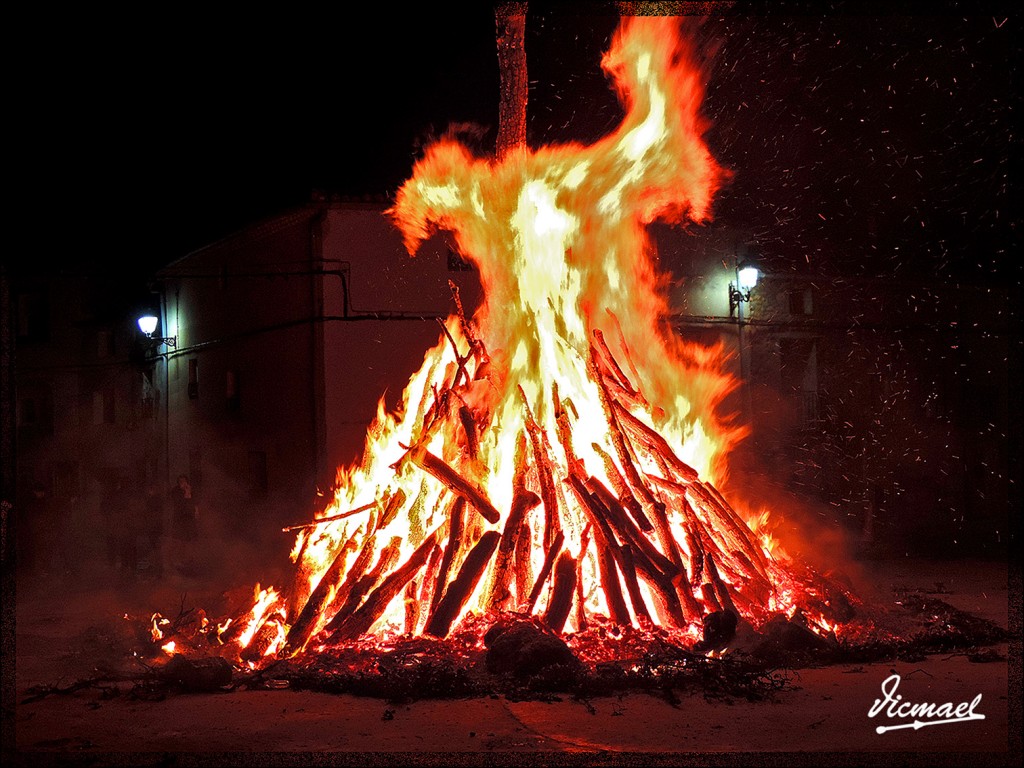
(559,237)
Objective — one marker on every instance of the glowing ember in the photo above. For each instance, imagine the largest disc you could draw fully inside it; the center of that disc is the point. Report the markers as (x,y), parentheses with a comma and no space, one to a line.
(557,453)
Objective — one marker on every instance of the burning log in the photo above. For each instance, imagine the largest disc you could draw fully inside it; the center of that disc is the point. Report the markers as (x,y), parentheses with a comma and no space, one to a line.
(461,589)
(469,427)
(623,495)
(636,597)
(669,608)
(330,518)
(395,503)
(412,603)
(720,590)
(629,532)
(563,429)
(606,543)
(359,622)
(545,473)
(696,554)
(428,462)
(360,585)
(262,641)
(707,590)
(454,544)
(581,614)
(430,575)
(610,582)
(654,443)
(545,571)
(502,572)
(562,594)
(327,590)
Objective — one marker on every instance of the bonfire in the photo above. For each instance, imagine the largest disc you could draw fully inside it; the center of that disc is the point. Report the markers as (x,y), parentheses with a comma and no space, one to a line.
(558,455)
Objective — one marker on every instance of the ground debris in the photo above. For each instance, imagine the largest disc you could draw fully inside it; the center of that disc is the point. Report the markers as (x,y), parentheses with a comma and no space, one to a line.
(513,656)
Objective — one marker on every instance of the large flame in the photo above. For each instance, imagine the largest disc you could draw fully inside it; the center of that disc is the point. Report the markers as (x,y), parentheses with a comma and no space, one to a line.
(533,395)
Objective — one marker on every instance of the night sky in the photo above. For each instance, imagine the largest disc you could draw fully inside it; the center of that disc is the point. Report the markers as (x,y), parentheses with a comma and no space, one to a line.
(861,143)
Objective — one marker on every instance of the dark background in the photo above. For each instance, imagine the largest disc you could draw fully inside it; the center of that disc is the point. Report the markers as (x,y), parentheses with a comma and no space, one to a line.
(145,137)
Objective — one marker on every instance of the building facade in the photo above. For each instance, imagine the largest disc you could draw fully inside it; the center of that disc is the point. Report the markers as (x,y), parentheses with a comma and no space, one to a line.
(885,405)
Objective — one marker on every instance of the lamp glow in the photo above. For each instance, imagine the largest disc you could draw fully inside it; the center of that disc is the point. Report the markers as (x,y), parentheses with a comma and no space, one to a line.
(748,278)
(147,324)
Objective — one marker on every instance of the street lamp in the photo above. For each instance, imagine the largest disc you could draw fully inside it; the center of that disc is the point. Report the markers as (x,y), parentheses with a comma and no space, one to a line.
(746,280)
(147,324)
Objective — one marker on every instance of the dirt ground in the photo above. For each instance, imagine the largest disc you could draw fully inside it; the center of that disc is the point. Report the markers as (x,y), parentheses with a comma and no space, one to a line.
(68,631)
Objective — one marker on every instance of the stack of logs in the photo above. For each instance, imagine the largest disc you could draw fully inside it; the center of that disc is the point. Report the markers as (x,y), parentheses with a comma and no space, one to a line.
(721,568)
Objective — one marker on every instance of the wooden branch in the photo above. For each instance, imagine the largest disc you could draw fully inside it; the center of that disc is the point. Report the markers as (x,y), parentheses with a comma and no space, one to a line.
(562,594)
(375,604)
(720,589)
(461,589)
(693,543)
(624,497)
(545,473)
(394,504)
(475,344)
(563,430)
(710,596)
(654,443)
(454,544)
(670,609)
(613,366)
(625,350)
(523,569)
(387,559)
(628,531)
(581,608)
(412,603)
(331,518)
(430,575)
(430,463)
(312,613)
(469,427)
(692,610)
(545,571)
(499,594)
(298,592)
(460,360)
(636,597)
(610,581)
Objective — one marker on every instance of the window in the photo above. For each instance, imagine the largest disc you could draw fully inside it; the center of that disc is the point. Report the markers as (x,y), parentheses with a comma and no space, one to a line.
(801,302)
(258,483)
(193,379)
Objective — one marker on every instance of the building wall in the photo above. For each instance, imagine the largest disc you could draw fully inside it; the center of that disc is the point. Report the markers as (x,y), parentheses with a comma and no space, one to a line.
(241,380)
(885,404)
(381,329)
(294,330)
(81,419)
